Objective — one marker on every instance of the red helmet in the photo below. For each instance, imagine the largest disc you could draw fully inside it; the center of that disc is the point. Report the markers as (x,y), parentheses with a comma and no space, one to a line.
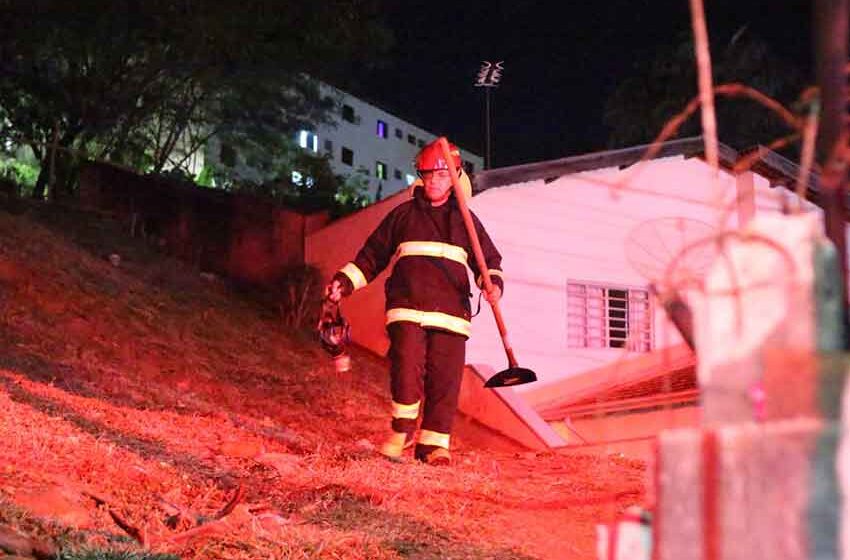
(431,157)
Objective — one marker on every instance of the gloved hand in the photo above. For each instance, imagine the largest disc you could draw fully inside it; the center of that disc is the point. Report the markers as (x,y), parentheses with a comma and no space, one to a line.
(333,291)
(493,295)
(330,304)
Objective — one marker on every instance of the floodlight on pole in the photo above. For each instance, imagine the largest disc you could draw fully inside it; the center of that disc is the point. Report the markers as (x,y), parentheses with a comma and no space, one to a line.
(489,76)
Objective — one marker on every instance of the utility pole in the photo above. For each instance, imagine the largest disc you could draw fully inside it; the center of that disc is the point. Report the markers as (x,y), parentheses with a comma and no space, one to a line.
(830,24)
(489,76)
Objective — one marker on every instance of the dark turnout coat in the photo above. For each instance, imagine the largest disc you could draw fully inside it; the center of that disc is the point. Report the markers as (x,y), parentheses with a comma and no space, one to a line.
(431,250)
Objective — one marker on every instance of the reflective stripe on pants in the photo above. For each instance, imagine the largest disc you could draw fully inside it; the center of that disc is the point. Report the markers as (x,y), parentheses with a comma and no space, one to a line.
(427,364)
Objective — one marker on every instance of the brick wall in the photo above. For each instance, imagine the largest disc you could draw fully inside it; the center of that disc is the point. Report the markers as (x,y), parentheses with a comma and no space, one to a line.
(240,236)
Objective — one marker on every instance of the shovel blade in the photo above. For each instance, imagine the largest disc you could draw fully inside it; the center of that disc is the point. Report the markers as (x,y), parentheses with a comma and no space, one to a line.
(510,377)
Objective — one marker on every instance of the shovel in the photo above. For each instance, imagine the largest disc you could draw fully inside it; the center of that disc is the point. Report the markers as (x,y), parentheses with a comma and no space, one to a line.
(514,375)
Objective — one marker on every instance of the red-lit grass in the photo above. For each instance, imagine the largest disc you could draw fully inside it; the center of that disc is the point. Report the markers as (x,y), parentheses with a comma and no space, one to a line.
(163,394)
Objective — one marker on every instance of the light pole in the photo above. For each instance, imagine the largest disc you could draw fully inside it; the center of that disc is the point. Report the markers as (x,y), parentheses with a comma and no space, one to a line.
(488,77)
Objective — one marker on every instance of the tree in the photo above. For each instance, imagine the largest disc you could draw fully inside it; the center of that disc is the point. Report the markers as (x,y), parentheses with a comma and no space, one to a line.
(663,83)
(143,82)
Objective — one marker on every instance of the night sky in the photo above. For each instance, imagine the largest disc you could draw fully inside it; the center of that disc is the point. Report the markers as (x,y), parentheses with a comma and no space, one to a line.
(562,60)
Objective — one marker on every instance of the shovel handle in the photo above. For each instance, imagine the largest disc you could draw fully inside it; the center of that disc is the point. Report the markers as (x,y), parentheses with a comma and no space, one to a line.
(479,254)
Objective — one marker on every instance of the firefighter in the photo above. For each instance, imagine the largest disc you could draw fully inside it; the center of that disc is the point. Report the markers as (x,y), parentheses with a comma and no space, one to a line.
(428,308)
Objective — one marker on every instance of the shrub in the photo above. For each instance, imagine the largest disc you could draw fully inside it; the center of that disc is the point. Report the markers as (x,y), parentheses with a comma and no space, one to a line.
(299,294)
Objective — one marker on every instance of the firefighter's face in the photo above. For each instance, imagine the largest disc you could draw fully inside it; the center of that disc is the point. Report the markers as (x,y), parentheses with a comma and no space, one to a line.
(438,185)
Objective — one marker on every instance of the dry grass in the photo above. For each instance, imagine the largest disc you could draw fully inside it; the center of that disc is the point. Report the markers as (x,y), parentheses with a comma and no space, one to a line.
(163,394)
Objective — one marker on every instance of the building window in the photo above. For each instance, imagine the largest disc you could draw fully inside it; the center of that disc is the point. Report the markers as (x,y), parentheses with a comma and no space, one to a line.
(381,129)
(398,133)
(308,140)
(347,156)
(397,174)
(348,113)
(329,147)
(411,139)
(409,178)
(381,170)
(601,316)
(469,167)
(420,143)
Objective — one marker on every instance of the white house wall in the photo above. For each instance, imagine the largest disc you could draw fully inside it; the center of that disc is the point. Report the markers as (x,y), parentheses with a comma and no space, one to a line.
(575,228)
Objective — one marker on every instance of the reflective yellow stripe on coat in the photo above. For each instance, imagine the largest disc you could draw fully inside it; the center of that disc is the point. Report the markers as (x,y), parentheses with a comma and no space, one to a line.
(358,279)
(430,319)
(432,249)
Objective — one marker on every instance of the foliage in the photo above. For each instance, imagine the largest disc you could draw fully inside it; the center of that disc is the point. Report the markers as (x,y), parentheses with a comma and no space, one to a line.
(21,172)
(206,177)
(299,295)
(147,83)
(352,194)
(176,174)
(293,176)
(664,82)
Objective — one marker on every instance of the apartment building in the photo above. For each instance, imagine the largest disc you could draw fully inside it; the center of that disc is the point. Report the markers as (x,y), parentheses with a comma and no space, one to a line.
(368,140)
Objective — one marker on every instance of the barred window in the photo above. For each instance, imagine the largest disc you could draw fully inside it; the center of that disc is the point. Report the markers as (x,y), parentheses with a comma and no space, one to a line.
(600,316)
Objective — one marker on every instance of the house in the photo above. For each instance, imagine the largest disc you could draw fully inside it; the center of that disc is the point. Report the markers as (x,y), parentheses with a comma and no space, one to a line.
(582,239)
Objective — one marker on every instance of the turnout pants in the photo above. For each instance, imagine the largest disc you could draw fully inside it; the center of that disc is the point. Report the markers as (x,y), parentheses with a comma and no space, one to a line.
(426,365)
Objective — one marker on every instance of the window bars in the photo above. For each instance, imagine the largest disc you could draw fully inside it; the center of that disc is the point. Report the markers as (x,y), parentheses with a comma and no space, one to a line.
(600,316)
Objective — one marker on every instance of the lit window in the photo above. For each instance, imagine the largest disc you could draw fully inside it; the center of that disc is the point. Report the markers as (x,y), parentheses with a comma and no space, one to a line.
(381,130)
(308,140)
(380,170)
(347,156)
(608,317)
(348,113)
(409,178)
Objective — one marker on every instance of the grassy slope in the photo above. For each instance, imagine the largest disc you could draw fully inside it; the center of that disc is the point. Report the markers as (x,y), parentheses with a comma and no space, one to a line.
(163,394)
